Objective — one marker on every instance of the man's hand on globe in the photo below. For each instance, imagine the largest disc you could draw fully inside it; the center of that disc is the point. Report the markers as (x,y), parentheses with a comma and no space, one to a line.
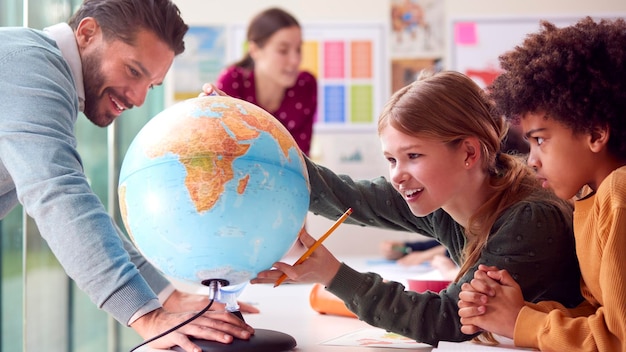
(212,326)
(184,302)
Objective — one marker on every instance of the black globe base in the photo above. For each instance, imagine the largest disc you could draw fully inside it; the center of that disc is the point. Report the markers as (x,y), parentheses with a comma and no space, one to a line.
(262,341)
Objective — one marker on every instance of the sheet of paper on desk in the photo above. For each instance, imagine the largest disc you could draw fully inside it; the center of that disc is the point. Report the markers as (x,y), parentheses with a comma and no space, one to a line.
(506,345)
(386,265)
(390,270)
(374,337)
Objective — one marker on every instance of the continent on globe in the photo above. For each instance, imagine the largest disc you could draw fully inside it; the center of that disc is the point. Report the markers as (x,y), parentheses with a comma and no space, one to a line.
(207,176)
(213,188)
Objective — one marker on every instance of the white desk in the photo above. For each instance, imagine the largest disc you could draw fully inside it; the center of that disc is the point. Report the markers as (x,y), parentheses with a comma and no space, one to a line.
(287,309)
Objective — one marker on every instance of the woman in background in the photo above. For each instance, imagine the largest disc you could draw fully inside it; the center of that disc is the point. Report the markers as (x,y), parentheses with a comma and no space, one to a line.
(269,74)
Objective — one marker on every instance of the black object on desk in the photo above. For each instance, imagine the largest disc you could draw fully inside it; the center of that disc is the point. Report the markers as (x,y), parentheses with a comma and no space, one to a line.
(262,341)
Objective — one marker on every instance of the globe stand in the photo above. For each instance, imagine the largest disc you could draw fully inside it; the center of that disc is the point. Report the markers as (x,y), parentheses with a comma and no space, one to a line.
(263,340)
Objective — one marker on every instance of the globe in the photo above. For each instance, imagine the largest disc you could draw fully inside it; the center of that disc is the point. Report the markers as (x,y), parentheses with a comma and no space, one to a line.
(213,188)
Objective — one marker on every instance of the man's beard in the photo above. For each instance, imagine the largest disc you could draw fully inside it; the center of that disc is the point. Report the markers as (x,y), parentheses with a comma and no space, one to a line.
(93,80)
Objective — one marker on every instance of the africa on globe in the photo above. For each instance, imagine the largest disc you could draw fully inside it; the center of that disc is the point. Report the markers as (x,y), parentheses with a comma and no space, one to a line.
(213,188)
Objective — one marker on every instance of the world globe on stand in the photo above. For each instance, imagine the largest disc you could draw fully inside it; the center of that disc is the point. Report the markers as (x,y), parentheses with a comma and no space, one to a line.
(213,188)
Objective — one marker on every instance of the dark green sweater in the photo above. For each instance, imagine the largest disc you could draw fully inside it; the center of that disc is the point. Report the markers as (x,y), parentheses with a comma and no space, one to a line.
(532,240)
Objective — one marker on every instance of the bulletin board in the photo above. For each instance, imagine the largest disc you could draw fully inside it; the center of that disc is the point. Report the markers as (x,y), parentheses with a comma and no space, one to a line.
(201,62)
(351,66)
(476,43)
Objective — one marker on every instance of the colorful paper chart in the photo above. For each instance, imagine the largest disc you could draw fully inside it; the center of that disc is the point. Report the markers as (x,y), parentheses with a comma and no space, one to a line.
(347,82)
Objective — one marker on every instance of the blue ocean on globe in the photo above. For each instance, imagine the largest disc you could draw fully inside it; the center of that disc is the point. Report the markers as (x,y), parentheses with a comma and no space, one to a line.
(213,188)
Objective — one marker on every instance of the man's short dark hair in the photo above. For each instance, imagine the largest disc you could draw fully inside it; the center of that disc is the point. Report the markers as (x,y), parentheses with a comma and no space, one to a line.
(122,19)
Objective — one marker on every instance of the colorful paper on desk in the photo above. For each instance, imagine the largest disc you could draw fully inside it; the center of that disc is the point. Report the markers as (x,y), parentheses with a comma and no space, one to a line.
(390,270)
(374,337)
(506,345)
(393,265)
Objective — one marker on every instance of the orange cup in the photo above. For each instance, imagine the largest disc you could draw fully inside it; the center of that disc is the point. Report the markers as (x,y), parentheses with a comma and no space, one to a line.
(325,302)
(427,285)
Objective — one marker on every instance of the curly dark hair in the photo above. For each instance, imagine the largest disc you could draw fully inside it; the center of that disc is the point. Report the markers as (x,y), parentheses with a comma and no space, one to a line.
(576,75)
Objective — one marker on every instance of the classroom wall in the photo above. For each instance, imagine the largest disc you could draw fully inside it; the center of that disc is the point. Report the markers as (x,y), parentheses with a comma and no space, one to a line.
(330,146)
(234,11)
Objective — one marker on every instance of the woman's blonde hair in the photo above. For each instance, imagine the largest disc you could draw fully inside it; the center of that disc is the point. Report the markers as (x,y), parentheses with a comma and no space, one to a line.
(448,106)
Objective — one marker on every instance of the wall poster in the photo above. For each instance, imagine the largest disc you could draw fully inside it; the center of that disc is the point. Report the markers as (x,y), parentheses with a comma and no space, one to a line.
(417,28)
(416,39)
(476,43)
(203,59)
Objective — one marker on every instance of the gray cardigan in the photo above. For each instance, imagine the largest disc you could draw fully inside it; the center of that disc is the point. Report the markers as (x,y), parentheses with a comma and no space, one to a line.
(40,167)
(532,240)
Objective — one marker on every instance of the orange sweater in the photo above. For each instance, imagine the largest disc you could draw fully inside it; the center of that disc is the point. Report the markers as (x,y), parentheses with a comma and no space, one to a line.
(599,323)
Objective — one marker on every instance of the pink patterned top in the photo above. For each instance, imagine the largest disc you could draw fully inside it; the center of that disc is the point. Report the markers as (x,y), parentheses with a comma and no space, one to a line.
(296,111)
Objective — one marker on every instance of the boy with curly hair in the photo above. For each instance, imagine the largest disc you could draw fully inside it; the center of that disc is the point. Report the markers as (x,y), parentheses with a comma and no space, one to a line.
(567,88)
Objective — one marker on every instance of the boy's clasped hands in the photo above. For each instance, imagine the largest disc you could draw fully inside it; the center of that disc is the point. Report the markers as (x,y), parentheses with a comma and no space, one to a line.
(490,302)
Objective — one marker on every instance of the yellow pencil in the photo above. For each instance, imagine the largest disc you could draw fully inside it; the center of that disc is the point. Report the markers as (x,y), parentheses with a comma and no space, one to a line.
(316,244)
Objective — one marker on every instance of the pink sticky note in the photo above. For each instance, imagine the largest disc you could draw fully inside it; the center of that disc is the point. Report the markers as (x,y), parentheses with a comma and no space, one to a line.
(465,33)
(334,66)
